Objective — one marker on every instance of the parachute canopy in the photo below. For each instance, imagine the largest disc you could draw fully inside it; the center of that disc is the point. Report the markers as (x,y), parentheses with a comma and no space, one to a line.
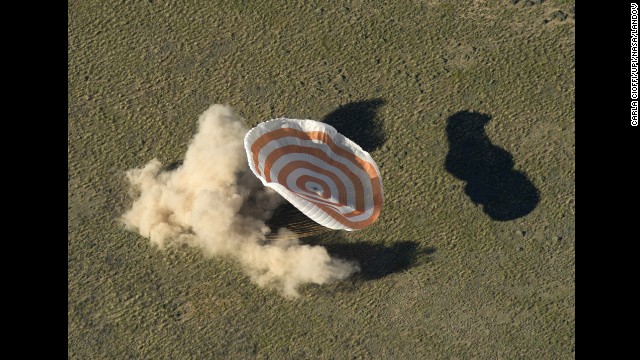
(322,173)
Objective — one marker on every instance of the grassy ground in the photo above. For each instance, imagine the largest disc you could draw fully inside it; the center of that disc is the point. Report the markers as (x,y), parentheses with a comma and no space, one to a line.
(441,278)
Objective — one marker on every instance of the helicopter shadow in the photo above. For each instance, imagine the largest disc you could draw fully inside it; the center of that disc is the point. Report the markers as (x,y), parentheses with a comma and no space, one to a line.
(504,193)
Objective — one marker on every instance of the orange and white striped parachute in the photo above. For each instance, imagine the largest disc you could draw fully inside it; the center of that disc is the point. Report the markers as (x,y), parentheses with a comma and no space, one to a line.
(322,173)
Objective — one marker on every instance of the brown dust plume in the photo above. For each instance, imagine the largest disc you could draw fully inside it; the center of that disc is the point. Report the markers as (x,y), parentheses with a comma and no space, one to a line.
(214,202)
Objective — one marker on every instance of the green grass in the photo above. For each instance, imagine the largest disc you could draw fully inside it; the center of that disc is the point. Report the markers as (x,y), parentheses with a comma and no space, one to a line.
(140,73)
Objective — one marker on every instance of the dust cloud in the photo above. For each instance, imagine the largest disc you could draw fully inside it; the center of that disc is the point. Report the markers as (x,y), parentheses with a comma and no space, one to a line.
(214,202)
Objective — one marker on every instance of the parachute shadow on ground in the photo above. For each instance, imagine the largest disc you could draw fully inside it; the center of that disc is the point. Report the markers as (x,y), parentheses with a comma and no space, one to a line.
(359,122)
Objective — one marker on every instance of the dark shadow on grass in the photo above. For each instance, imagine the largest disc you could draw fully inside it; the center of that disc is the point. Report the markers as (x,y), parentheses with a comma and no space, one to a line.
(505,193)
(359,122)
(376,260)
